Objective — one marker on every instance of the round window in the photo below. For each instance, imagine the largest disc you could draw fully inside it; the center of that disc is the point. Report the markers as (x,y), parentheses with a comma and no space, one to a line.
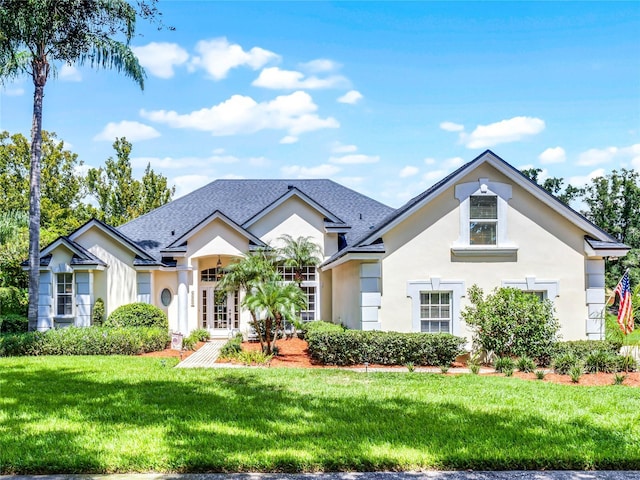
(165,297)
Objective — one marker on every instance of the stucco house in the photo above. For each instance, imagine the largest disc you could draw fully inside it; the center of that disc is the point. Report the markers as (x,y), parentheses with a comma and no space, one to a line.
(405,269)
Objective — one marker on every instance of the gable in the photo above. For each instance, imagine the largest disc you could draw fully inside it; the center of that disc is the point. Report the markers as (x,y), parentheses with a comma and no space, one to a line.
(215,238)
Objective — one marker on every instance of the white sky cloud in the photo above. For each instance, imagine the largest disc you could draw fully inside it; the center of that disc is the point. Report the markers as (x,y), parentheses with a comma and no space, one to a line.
(408,171)
(340,148)
(553,155)
(259,161)
(301,171)
(429,161)
(188,183)
(160,58)
(434,175)
(217,57)
(504,131)
(69,73)
(169,163)
(451,127)
(351,182)
(134,131)
(622,155)
(288,139)
(320,65)
(277,79)
(294,113)
(453,162)
(356,158)
(582,180)
(351,97)
(12,90)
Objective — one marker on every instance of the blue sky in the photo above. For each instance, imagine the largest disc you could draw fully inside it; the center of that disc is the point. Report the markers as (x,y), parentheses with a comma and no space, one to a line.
(385,98)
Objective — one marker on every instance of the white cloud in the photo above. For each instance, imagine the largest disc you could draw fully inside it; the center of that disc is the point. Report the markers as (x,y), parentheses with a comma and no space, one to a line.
(340,148)
(453,162)
(429,161)
(408,171)
(553,155)
(160,58)
(582,180)
(134,131)
(188,183)
(294,113)
(352,182)
(434,175)
(595,156)
(217,57)
(357,158)
(12,89)
(288,139)
(218,151)
(232,176)
(278,79)
(168,163)
(299,171)
(259,161)
(351,97)
(622,155)
(320,65)
(451,127)
(69,73)
(505,131)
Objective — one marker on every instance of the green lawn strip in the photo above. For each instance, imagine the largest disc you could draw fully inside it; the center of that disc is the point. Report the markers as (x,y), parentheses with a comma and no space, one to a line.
(133,414)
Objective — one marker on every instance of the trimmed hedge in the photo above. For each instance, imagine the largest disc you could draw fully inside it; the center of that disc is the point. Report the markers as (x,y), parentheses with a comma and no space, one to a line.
(13,323)
(351,347)
(138,315)
(85,341)
(581,349)
(321,326)
(13,300)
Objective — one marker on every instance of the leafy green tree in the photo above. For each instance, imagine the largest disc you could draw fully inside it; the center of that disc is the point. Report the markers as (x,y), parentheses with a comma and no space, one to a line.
(299,253)
(37,34)
(62,207)
(613,203)
(510,322)
(13,242)
(554,185)
(120,197)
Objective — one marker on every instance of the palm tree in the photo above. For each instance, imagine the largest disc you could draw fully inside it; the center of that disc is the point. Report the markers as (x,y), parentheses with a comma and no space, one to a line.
(253,269)
(273,304)
(37,34)
(299,253)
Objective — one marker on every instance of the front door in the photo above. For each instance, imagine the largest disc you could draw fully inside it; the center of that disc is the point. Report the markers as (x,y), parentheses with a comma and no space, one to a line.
(219,311)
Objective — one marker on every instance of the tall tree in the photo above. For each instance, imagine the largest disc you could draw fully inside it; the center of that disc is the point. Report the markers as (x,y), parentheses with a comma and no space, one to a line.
(120,197)
(613,203)
(37,34)
(553,185)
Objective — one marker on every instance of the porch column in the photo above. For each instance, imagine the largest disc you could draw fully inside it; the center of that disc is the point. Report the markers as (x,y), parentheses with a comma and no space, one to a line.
(183,299)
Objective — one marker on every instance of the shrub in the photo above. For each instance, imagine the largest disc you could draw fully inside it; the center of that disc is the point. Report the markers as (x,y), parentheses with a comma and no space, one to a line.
(189,343)
(232,347)
(526,364)
(626,363)
(350,347)
(510,322)
(85,341)
(618,379)
(200,334)
(13,300)
(504,365)
(562,364)
(253,357)
(138,315)
(97,315)
(320,326)
(13,323)
(575,373)
(581,349)
(601,361)
(540,374)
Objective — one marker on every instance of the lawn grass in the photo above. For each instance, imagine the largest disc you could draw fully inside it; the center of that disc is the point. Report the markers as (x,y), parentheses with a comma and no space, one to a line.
(134,414)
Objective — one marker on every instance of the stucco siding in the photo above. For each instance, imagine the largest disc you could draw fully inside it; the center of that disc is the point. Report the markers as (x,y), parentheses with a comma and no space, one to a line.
(548,248)
(346,294)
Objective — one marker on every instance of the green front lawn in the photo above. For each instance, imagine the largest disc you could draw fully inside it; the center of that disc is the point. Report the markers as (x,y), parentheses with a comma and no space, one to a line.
(125,414)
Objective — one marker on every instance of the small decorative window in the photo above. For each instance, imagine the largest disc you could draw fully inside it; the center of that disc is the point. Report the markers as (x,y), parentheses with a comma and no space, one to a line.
(435,312)
(483,220)
(288,274)
(212,274)
(165,297)
(64,294)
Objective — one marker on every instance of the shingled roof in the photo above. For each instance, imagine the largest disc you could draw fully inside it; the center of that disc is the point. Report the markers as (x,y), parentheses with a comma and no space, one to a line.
(241,200)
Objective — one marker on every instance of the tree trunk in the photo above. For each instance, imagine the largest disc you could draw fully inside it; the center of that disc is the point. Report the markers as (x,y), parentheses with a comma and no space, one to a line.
(40,73)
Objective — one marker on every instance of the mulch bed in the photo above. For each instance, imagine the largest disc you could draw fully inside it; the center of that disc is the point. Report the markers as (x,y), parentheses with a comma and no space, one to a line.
(293,353)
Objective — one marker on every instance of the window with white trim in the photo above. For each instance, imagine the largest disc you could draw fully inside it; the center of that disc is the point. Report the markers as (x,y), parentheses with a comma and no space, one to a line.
(288,274)
(435,312)
(483,220)
(64,294)
(309,313)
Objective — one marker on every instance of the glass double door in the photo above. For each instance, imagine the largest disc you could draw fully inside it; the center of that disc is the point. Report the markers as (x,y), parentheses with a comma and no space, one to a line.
(219,310)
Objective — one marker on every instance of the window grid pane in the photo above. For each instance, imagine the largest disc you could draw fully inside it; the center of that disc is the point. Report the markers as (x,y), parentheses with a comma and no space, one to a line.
(435,312)
(484,207)
(482,233)
(309,313)
(288,274)
(64,289)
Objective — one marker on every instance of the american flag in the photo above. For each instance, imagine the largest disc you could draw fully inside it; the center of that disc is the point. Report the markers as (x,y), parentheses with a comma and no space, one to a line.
(625,309)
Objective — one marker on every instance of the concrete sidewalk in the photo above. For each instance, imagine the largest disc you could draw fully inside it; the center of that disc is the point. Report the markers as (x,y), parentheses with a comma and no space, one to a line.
(430,475)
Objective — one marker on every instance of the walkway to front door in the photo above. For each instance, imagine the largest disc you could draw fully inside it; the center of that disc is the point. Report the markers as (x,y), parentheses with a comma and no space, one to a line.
(205,357)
